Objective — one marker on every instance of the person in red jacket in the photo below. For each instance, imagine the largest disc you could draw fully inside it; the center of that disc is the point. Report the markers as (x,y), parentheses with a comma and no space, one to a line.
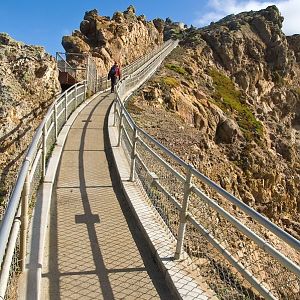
(113,74)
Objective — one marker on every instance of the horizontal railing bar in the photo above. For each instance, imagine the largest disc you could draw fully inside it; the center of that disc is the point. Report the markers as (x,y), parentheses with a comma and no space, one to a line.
(70,101)
(8,218)
(290,265)
(33,152)
(143,164)
(60,113)
(248,276)
(6,266)
(14,200)
(250,211)
(127,137)
(124,91)
(35,164)
(161,160)
(128,120)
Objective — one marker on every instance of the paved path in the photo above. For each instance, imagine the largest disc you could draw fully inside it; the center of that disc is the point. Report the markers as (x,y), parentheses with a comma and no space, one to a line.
(96,250)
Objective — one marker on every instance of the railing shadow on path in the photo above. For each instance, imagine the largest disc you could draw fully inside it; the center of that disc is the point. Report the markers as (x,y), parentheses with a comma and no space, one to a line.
(111,275)
(89,219)
(139,239)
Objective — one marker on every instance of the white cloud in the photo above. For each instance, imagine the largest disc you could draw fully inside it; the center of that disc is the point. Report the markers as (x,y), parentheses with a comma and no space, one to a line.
(217,9)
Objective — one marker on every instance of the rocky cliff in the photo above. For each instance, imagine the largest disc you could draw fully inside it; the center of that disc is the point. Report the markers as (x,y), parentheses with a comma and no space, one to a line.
(227,100)
(123,38)
(28,83)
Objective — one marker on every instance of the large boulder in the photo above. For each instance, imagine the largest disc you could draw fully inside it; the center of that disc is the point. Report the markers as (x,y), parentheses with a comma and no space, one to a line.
(227,131)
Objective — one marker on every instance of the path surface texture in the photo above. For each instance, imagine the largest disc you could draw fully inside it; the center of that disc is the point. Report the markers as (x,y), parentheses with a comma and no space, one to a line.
(96,249)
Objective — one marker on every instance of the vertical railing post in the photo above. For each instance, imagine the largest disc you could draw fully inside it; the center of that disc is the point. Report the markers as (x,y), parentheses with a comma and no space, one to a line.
(133,154)
(115,111)
(96,82)
(183,213)
(55,121)
(85,91)
(76,101)
(66,106)
(24,221)
(44,151)
(87,77)
(120,126)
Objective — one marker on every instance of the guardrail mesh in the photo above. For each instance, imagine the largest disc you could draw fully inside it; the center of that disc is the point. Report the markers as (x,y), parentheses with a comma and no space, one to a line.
(74,97)
(215,235)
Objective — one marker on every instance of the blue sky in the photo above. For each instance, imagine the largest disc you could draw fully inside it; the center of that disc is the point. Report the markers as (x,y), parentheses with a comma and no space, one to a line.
(45,22)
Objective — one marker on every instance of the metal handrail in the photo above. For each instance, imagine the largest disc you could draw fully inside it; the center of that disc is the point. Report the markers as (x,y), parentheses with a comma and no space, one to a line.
(11,219)
(289,239)
(124,90)
(15,216)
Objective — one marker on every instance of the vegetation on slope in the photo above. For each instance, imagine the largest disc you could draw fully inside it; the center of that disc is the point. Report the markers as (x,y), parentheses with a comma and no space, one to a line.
(230,100)
(177,69)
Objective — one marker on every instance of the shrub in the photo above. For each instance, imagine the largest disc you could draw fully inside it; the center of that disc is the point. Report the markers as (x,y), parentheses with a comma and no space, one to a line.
(170,81)
(177,69)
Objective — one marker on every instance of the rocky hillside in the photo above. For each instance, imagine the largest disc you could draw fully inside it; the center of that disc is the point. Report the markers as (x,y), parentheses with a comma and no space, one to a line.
(28,83)
(29,76)
(123,38)
(228,101)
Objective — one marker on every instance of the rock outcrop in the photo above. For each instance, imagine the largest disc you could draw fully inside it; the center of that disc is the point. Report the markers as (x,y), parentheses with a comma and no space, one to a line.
(227,100)
(123,38)
(28,83)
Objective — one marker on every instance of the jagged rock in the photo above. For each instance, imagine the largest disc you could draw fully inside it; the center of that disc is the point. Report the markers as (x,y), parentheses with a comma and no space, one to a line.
(159,25)
(118,17)
(130,10)
(125,38)
(294,43)
(238,101)
(75,44)
(91,15)
(142,18)
(28,83)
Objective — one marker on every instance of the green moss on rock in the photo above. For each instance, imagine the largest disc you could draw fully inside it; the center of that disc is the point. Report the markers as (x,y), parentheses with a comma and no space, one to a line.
(230,100)
(170,81)
(177,69)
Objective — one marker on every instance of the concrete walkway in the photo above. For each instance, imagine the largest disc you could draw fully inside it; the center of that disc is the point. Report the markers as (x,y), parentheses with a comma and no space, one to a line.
(95,249)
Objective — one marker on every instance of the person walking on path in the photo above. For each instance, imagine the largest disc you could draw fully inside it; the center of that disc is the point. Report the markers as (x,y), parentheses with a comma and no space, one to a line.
(113,74)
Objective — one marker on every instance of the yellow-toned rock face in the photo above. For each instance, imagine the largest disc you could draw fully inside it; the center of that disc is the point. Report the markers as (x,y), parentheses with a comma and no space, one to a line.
(123,38)
(227,100)
(28,83)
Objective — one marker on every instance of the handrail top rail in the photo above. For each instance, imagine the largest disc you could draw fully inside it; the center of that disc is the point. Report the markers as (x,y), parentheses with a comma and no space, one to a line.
(12,206)
(264,221)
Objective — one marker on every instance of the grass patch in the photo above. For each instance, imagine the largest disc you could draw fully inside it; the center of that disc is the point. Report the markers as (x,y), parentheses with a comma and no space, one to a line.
(230,100)
(177,69)
(170,81)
